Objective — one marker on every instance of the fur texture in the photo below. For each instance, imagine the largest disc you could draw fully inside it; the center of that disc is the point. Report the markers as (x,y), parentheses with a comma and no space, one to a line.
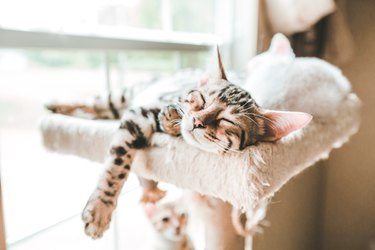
(278,74)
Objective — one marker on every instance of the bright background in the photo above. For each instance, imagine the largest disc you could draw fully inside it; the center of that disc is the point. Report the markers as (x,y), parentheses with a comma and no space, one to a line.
(44,193)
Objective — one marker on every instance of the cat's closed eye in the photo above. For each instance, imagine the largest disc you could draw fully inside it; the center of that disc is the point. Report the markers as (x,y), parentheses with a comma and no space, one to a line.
(225,120)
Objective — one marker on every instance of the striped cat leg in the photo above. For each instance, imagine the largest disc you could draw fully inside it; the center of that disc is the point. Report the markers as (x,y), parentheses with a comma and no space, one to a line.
(169,119)
(134,133)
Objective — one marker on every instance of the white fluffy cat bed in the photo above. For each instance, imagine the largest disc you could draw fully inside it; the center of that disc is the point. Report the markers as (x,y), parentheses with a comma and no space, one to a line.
(247,179)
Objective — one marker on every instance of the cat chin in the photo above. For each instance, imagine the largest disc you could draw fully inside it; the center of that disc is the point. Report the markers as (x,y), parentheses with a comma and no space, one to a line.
(172,236)
(190,137)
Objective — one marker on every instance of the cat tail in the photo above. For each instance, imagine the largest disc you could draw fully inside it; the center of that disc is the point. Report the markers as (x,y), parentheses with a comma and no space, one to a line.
(249,223)
(239,222)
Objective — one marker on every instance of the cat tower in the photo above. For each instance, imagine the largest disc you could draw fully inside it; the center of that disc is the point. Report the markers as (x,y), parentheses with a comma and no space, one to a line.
(245,180)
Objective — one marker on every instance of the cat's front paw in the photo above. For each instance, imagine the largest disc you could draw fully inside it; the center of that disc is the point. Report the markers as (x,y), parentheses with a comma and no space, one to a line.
(97,216)
(170,119)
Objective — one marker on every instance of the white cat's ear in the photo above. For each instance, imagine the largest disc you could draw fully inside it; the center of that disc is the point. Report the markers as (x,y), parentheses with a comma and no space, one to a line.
(281,123)
(280,45)
(150,209)
(216,70)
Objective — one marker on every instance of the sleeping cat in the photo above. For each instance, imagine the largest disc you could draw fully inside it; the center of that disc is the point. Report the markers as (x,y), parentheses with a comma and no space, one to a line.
(278,73)
(169,223)
(215,116)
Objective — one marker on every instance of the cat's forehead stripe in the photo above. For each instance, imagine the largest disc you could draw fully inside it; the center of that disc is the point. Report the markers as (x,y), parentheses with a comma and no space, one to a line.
(233,95)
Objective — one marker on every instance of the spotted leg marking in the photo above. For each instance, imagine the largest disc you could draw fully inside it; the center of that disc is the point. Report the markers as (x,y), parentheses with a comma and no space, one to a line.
(169,118)
(134,133)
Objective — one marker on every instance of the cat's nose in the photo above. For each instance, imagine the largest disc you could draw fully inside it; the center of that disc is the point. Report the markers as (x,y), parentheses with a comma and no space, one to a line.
(178,230)
(197,123)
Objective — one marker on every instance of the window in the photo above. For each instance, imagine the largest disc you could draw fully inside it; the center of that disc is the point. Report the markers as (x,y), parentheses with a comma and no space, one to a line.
(53,49)
(44,193)
(70,15)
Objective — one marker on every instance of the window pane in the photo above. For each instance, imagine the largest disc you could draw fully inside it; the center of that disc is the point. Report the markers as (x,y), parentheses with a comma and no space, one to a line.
(38,187)
(135,13)
(134,67)
(194,15)
(55,15)
(87,15)
(44,192)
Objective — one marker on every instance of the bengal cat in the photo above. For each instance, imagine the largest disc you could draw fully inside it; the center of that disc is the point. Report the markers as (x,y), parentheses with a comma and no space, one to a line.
(216,116)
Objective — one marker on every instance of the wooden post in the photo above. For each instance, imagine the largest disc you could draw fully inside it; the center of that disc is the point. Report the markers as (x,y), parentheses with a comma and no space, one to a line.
(2,229)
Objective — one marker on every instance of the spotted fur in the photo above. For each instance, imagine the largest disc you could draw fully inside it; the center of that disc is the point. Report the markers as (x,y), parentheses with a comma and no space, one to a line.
(107,106)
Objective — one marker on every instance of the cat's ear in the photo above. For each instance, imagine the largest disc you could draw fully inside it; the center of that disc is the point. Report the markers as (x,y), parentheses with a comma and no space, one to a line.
(216,70)
(150,209)
(280,45)
(281,123)
(220,74)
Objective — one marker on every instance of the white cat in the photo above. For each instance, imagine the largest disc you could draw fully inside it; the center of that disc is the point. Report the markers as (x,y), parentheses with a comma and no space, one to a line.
(319,81)
(276,79)
(169,222)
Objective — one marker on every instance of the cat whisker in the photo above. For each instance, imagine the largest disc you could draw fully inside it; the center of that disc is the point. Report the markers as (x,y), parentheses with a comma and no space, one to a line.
(220,143)
(223,145)
(180,109)
(252,120)
(200,138)
(176,121)
(226,148)
(249,101)
(229,149)
(262,116)
(257,115)
(245,110)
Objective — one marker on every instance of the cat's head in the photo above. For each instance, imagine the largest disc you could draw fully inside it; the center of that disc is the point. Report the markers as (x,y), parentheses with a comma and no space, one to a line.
(168,219)
(220,116)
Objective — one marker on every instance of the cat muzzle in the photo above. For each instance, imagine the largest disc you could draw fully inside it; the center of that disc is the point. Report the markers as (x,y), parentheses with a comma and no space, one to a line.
(197,123)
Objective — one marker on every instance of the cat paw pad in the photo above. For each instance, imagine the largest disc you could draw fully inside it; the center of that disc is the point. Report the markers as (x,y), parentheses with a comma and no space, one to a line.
(170,119)
(97,216)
